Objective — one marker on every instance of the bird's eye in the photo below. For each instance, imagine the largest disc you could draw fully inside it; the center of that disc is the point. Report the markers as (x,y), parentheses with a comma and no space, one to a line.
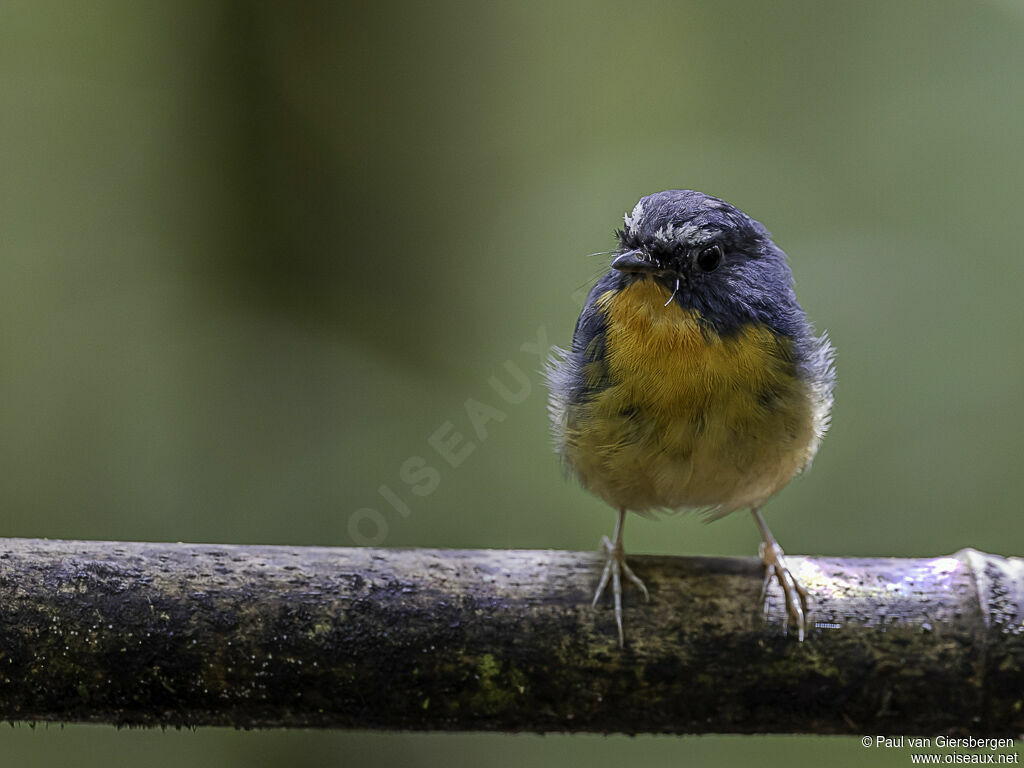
(709,258)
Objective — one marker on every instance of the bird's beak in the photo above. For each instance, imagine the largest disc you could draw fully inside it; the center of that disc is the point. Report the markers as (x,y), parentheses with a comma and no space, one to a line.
(636,261)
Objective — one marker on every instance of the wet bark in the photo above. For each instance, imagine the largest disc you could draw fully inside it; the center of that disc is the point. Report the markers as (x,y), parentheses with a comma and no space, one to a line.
(256,636)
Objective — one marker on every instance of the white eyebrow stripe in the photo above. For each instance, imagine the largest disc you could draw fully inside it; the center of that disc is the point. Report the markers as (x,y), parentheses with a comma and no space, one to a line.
(632,220)
(690,234)
(683,233)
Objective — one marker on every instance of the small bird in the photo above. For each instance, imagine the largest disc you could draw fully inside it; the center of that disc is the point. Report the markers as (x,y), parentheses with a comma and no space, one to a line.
(694,379)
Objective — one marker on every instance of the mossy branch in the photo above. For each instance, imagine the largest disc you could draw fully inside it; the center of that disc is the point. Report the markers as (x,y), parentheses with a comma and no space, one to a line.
(251,636)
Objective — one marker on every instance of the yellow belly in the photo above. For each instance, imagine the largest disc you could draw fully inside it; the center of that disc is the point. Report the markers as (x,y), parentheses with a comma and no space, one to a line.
(690,419)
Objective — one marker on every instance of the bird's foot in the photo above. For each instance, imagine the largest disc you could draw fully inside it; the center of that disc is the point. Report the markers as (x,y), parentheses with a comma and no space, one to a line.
(615,566)
(792,590)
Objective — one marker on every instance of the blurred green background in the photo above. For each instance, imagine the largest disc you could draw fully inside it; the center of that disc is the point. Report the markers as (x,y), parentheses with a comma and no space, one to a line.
(252,255)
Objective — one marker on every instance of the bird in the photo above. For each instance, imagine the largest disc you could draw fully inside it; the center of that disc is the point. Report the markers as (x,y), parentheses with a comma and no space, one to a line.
(694,380)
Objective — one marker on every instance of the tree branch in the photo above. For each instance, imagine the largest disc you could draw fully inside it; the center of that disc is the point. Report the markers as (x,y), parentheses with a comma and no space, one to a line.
(250,636)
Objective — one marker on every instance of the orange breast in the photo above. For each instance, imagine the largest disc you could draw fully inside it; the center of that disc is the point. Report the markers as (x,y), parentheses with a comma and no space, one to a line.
(690,419)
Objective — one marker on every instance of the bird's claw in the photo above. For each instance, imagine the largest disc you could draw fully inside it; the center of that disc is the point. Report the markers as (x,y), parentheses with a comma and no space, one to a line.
(615,566)
(793,591)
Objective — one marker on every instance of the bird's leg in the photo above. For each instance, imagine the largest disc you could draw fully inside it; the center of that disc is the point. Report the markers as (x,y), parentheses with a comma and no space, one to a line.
(775,567)
(614,567)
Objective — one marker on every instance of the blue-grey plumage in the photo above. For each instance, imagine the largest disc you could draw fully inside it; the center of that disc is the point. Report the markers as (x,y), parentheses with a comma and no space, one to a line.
(694,379)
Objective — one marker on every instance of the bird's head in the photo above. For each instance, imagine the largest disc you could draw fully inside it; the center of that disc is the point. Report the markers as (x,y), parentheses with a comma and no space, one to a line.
(710,256)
